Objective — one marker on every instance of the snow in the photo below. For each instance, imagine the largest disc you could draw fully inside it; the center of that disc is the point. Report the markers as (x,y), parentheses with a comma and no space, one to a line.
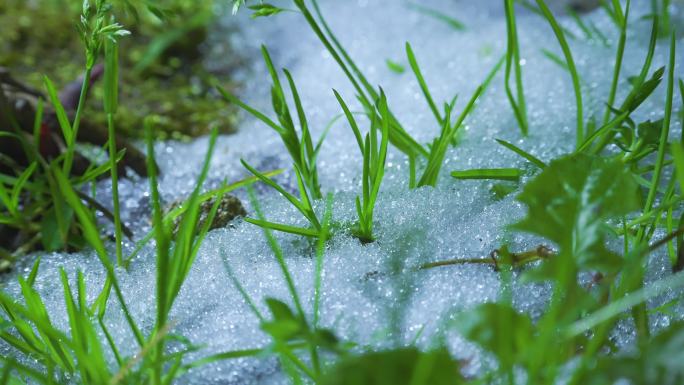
(457,219)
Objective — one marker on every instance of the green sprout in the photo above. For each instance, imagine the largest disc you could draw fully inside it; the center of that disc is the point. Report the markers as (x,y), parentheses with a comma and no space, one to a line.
(373,164)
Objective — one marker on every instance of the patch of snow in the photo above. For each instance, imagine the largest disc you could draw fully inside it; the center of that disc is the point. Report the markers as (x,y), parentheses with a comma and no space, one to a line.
(457,219)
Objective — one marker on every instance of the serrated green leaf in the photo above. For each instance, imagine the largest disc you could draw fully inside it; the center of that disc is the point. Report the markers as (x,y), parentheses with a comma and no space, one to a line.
(650,131)
(569,202)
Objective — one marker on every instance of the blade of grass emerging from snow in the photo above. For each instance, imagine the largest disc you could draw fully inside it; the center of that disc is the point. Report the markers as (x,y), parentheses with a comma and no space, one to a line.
(365,91)
(303,204)
(373,163)
(320,253)
(440,145)
(423,85)
(513,61)
(560,36)
(302,149)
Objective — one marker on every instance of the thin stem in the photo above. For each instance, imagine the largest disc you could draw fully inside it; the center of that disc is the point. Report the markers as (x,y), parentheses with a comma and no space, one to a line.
(115,189)
(69,157)
(618,65)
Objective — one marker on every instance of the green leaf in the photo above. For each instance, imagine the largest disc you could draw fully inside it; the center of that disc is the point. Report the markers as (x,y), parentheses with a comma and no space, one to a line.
(285,325)
(395,67)
(52,236)
(438,15)
(264,10)
(499,329)
(678,157)
(658,362)
(392,367)
(510,174)
(59,110)
(284,228)
(569,202)
(280,310)
(650,131)
(529,157)
(501,190)
(642,91)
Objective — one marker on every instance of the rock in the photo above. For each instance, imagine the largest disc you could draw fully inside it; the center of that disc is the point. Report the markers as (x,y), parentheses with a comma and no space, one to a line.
(229,208)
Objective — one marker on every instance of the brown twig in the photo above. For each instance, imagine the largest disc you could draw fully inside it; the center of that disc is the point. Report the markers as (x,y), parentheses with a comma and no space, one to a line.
(541,252)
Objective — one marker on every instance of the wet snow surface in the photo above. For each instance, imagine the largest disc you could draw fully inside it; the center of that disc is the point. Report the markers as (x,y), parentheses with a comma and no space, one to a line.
(458,219)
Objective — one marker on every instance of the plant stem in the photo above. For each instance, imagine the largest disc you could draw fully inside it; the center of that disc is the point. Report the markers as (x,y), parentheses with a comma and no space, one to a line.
(115,189)
(69,157)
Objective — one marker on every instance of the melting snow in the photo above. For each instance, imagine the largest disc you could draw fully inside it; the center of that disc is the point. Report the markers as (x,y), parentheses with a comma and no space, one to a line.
(458,219)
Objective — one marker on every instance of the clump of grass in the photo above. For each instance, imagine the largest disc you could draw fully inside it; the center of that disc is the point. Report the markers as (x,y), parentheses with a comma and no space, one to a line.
(373,165)
(449,130)
(302,152)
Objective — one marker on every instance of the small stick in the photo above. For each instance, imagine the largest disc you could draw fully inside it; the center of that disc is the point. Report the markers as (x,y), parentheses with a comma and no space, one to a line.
(541,252)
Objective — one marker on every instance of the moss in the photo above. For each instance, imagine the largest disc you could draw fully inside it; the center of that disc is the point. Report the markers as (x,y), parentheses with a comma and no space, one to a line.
(173,85)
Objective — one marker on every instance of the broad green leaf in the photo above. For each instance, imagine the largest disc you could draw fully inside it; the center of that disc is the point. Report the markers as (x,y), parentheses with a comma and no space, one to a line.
(650,131)
(393,367)
(569,202)
(499,329)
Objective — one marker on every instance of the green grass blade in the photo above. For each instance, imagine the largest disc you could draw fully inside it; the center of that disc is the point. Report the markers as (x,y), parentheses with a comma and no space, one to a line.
(320,253)
(560,36)
(509,174)
(92,235)
(232,99)
(513,62)
(618,63)
(529,157)
(423,84)
(665,130)
(62,118)
(311,233)
(438,15)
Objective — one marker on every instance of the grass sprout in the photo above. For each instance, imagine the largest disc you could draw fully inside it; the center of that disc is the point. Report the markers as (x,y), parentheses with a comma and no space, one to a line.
(301,150)
(374,156)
